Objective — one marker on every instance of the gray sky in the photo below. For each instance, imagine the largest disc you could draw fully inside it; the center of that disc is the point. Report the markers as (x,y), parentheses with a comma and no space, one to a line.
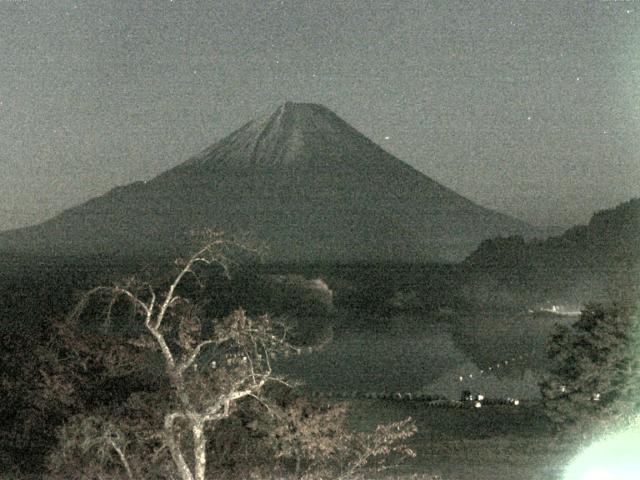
(531,108)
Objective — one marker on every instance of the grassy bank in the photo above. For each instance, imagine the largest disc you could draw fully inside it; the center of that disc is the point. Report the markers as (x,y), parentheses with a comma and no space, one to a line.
(490,443)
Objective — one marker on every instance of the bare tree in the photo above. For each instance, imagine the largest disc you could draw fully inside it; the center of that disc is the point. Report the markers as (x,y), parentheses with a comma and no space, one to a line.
(210,365)
(317,437)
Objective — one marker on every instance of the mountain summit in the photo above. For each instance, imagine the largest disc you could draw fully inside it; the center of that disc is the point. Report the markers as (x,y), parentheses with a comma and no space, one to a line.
(286,137)
(301,180)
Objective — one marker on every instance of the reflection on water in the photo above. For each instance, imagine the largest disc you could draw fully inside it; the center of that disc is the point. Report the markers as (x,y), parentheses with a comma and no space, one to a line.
(498,354)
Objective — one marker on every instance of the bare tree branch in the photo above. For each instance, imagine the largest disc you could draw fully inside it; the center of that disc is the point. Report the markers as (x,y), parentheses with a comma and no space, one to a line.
(247,343)
(193,356)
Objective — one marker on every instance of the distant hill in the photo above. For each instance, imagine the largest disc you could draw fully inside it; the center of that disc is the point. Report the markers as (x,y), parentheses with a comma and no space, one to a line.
(301,180)
(594,259)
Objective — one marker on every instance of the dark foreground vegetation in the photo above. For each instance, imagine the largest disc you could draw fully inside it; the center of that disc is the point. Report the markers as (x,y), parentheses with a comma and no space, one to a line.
(86,395)
(492,442)
(146,378)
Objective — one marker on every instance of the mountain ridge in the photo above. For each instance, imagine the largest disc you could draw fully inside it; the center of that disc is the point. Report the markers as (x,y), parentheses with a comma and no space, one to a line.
(598,261)
(300,179)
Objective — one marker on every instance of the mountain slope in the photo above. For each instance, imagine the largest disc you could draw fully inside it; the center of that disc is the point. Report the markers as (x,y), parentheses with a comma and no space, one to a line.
(612,237)
(301,180)
(587,262)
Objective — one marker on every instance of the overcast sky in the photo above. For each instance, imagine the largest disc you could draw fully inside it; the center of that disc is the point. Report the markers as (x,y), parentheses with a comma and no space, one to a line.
(531,108)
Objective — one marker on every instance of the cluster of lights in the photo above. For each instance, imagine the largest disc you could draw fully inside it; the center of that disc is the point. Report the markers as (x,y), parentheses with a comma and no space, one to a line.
(504,363)
(595,397)
(496,366)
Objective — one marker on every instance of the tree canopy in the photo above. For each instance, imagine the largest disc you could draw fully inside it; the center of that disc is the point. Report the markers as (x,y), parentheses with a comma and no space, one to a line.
(593,379)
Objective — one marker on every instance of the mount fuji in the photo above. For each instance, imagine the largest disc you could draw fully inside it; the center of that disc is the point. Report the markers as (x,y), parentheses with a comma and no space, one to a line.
(300,180)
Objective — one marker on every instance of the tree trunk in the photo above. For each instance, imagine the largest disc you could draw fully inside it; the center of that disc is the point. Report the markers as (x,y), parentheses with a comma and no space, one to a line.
(123,459)
(297,472)
(199,450)
(174,448)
